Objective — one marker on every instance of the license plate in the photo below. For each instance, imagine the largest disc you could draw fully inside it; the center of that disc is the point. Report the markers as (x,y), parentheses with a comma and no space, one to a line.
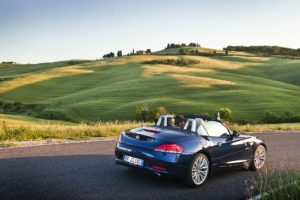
(133,161)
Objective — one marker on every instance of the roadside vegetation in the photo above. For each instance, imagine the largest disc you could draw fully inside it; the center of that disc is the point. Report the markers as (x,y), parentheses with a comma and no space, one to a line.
(10,131)
(278,185)
(23,128)
(264,127)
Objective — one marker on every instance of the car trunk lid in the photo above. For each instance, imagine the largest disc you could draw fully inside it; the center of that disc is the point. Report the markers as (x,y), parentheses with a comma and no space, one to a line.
(151,137)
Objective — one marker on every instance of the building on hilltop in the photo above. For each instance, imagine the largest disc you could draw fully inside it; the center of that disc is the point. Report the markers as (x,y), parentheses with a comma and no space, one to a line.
(140,52)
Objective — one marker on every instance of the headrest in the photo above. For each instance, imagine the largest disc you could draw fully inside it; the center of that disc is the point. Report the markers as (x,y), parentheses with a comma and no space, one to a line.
(199,122)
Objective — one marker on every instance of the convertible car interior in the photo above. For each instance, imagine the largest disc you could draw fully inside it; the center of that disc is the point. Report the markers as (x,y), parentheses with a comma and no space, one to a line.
(201,125)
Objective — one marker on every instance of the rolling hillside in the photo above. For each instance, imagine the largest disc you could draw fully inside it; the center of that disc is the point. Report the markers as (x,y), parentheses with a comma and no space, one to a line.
(110,89)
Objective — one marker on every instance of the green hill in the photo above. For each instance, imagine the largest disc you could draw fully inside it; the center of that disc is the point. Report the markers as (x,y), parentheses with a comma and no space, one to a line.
(110,89)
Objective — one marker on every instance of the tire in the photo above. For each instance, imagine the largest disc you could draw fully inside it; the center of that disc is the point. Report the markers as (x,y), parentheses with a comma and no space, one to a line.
(258,158)
(198,171)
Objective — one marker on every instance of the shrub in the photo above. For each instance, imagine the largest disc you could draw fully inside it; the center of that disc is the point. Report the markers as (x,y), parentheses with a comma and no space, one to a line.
(271,117)
(206,115)
(225,114)
(54,115)
(265,50)
(181,51)
(289,116)
(144,113)
(180,62)
(242,122)
(158,111)
(286,117)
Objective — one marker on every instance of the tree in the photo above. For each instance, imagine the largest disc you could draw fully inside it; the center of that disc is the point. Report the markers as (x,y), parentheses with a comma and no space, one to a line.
(192,44)
(181,51)
(148,51)
(109,55)
(270,117)
(265,50)
(119,53)
(226,52)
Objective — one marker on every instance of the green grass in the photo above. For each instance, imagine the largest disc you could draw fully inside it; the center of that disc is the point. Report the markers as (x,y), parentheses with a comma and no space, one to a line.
(15,70)
(116,86)
(279,185)
(26,120)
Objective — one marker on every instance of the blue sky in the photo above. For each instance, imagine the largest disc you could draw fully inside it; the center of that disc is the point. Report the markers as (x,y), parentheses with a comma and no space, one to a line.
(35,31)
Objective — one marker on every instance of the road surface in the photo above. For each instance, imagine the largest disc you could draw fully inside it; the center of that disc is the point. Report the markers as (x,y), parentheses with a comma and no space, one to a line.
(87,171)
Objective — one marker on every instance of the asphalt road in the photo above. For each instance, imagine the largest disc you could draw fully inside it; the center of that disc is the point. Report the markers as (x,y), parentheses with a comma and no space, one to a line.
(87,171)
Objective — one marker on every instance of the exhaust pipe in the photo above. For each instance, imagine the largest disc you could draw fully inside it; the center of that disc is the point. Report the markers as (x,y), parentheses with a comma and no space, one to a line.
(157,174)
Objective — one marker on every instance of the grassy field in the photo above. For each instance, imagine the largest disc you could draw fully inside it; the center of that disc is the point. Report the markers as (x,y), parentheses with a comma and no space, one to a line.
(110,89)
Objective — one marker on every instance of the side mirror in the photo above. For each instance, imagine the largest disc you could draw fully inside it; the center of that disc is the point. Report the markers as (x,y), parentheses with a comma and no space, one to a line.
(236,134)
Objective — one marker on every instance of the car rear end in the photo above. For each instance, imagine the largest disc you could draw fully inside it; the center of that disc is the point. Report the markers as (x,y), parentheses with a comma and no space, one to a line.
(147,149)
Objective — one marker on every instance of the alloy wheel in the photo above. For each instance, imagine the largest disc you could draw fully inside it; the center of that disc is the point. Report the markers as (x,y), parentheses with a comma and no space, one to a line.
(259,156)
(200,169)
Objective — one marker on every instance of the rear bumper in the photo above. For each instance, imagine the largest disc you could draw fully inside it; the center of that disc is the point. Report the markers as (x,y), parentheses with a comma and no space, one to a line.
(175,164)
(144,168)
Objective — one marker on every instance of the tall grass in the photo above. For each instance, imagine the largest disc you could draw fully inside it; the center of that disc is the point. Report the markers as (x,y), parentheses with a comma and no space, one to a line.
(279,185)
(51,131)
(265,127)
(22,130)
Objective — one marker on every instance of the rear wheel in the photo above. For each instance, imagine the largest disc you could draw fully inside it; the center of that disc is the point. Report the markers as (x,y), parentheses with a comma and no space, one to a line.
(198,170)
(259,158)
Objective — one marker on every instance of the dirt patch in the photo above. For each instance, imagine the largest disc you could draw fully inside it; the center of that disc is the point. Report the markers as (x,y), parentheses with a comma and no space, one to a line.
(151,70)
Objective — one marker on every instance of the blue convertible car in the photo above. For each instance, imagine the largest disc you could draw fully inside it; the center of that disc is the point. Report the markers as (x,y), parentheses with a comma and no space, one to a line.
(188,148)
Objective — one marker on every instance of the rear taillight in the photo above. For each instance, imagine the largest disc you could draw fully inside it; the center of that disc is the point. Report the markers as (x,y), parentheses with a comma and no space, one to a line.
(170,148)
(159,168)
(120,137)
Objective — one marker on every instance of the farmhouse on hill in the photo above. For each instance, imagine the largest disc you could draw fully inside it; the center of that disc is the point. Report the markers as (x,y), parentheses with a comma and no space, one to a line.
(140,52)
